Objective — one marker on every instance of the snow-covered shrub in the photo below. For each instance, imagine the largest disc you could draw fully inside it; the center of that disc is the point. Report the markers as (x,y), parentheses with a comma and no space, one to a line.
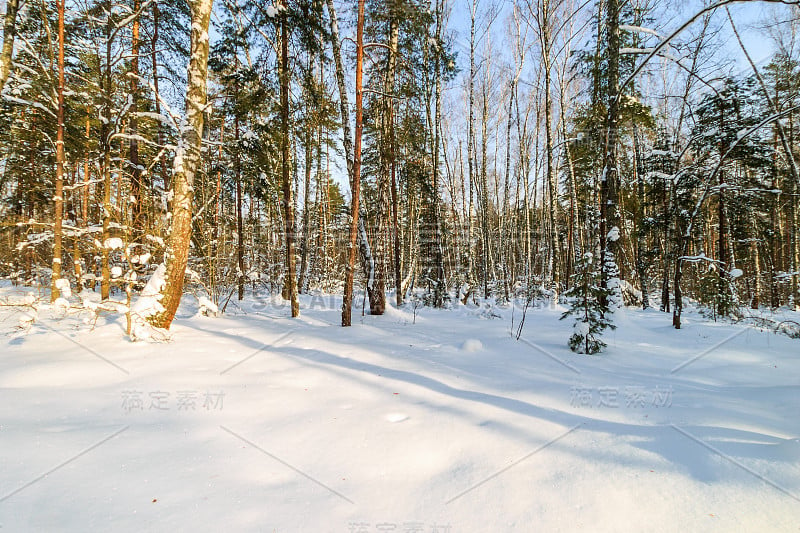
(207,307)
(63,286)
(472,346)
(148,305)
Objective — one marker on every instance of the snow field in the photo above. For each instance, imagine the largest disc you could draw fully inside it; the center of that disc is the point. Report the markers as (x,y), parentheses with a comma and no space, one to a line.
(434,421)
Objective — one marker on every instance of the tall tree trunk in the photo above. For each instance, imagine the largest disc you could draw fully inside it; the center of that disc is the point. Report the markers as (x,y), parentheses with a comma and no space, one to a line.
(377,289)
(30,206)
(508,256)
(308,160)
(86,171)
(440,288)
(237,162)
(323,191)
(471,144)
(572,229)
(641,266)
(483,188)
(304,246)
(286,171)
(507,252)
(138,192)
(157,99)
(9,32)
(609,184)
(683,245)
(795,245)
(187,161)
(682,240)
(77,259)
(77,202)
(723,246)
(86,187)
(666,248)
(347,139)
(552,180)
(217,209)
(395,208)
(58,198)
(755,257)
(105,142)
(355,184)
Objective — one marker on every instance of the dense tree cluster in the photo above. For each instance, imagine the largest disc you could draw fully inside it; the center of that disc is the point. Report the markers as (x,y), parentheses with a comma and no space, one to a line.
(450,149)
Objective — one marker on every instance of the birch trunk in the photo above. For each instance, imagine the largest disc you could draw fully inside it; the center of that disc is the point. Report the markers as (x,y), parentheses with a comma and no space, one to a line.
(552,185)
(471,147)
(9,32)
(187,161)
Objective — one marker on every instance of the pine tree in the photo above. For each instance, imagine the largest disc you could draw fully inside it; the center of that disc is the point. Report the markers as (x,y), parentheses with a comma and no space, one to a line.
(591,316)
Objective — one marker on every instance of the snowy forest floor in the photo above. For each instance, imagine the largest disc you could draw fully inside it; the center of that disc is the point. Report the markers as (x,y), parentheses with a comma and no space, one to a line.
(439,422)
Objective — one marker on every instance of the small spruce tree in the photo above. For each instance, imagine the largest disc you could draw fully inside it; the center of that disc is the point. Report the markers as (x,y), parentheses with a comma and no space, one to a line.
(591,317)
(717,295)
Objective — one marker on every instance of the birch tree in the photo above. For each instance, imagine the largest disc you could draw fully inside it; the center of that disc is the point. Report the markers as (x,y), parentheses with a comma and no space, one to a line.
(185,166)
(9,32)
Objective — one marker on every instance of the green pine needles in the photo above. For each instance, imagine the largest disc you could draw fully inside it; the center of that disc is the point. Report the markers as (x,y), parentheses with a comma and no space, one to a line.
(591,316)
(717,295)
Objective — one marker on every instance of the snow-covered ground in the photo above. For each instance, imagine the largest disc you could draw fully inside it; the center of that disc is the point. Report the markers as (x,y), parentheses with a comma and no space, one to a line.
(439,422)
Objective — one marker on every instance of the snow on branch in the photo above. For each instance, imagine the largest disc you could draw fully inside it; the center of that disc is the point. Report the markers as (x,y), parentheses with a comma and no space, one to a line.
(638,29)
(698,258)
(631,51)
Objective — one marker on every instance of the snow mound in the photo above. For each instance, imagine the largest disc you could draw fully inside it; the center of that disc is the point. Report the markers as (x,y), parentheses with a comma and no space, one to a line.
(207,307)
(581,328)
(28,319)
(114,243)
(472,346)
(64,287)
(148,304)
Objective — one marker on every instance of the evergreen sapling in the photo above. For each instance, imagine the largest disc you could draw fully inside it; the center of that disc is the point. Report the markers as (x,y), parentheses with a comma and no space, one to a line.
(591,317)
